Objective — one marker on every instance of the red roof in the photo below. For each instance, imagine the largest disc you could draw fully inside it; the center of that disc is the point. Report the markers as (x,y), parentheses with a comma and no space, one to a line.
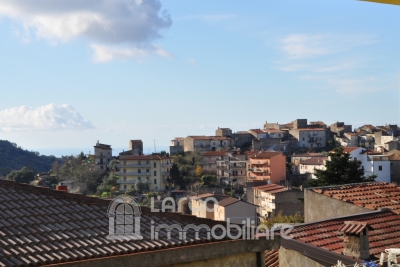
(354,227)
(372,196)
(271,188)
(314,161)
(146,157)
(310,129)
(350,149)
(257,131)
(327,234)
(272,258)
(263,155)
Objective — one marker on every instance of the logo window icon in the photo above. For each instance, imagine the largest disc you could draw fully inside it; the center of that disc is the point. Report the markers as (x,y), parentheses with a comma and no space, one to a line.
(124,219)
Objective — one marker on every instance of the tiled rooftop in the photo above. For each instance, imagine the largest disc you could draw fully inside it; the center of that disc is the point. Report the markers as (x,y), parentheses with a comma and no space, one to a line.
(272,258)
(314,161)
(384,232)
(372,196)
(40,226)
(271,188)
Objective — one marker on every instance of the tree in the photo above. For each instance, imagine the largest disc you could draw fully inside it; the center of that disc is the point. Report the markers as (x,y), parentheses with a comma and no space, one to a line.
(199,170)
(176,177)
(76,170)
(22,176)
(208,180)
(142,187)
(340,169)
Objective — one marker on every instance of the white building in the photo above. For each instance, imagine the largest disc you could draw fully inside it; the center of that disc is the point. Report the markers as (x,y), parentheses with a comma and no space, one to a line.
(311,165)
(374,163)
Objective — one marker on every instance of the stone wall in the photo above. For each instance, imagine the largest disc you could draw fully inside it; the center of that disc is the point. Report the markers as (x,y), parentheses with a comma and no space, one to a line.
(320,207)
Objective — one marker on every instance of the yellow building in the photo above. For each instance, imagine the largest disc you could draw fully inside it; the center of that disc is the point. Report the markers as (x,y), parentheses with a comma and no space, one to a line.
(151,169)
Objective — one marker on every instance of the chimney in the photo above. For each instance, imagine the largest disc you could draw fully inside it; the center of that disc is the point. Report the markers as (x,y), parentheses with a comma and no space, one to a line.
(62,187)
(355,239)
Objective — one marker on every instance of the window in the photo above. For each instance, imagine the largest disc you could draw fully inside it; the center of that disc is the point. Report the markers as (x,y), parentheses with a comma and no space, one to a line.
(155,181)
(155,173)
(124,186)
(139,170)
(124,178)
(140,178)
(138,162)
(124,170)
(380,167)
(147,162)
(147,170)
(155,165)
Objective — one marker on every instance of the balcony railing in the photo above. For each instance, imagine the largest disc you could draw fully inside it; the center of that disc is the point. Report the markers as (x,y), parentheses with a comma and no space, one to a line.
(132,165)
(126,182)
(167,164)
(133,173)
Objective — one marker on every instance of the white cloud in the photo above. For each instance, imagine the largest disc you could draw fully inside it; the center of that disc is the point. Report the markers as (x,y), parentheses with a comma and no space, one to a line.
(298,46)
(192,61)
(45,118)
(135,24)
(302,46)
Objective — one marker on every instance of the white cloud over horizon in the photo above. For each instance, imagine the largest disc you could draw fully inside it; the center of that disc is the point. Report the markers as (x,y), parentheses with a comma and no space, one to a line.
(135,24)
(50,117)
(300,46)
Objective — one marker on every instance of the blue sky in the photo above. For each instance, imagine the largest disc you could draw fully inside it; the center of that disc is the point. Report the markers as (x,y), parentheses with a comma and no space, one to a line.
(82,71)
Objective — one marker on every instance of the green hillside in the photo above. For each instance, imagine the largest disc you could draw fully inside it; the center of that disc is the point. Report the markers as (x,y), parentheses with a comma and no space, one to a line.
(13,157)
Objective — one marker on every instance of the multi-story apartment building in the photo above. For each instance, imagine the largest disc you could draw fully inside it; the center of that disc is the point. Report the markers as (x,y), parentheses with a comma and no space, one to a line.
(151,169)
(272,199)
(232,168)
(176,146)
(310,166)
(206,143)
(270,166)
(223,132)
(296,159)
(102,155)
(309,138)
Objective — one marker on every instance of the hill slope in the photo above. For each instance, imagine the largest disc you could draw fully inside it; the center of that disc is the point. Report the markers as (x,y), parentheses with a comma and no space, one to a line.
(13,157)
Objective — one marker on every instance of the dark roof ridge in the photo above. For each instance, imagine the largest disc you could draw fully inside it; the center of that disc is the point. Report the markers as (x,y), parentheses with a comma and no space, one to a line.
(81,199)
(347,216)
(55,193)
(352,184)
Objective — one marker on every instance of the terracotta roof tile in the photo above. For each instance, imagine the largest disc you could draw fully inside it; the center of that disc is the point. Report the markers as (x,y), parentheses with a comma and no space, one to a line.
(373,196)
(272,258)
(384,233)
(51,227)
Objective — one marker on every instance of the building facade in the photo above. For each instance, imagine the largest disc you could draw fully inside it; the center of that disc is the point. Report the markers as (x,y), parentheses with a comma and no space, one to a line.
(150,169)
(102,154)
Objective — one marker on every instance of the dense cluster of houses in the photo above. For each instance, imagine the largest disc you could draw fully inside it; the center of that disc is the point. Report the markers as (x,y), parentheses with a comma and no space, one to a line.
(349,223)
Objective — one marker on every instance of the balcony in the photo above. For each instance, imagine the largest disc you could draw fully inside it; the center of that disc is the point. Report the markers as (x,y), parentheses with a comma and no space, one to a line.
(126,182)
(132,165)
(238,167)
(312,140)
(167,164)
(165,172)
(222,167)
(133,174)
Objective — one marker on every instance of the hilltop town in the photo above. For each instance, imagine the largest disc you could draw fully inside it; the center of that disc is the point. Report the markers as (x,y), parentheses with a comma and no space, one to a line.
(334,185)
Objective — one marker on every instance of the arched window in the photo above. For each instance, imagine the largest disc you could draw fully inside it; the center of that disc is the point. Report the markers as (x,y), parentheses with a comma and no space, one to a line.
(124,219)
